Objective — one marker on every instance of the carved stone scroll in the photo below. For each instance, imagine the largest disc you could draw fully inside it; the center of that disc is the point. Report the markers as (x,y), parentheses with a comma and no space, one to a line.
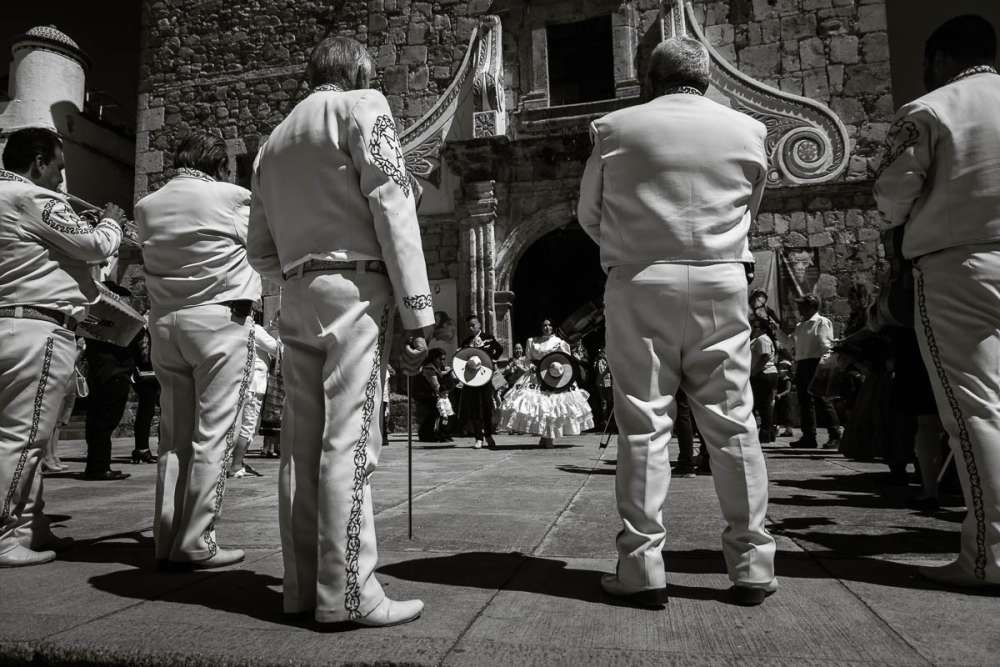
(806,141)
(480,74)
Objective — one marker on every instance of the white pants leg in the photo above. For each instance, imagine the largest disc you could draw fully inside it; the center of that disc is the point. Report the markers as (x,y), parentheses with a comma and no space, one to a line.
(676,326)
(203,358)
(334,327)
(958,308)
(36,362)
(251,417)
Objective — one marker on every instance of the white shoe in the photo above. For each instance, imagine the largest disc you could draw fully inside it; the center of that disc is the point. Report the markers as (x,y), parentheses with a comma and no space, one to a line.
(392,612)
(22,556)
(478,444)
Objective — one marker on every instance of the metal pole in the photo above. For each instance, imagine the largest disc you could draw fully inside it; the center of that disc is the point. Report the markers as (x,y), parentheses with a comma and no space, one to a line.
(409,459)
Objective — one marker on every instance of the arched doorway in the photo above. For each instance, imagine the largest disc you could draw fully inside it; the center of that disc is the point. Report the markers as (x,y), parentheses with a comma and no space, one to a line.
(555,277)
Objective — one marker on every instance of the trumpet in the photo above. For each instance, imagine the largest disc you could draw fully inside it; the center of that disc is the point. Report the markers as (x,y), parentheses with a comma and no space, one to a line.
(130,233)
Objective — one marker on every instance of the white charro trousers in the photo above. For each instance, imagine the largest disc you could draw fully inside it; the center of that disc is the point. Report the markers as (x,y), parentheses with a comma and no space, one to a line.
(683,326)
(334,328)
(36,363)
(958,328)
(203,357)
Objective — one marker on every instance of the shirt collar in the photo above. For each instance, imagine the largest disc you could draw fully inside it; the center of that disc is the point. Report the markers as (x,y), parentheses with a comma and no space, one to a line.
(686,90)
(11,176)
(327,87)
(972,71)
(187,172)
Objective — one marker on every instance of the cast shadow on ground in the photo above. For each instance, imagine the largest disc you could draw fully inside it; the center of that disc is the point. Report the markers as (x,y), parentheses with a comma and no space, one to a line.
(514,571)
(581,470)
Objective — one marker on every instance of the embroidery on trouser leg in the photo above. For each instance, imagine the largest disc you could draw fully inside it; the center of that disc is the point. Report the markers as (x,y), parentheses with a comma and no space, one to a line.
(220,483)
(352,592)
(36,416)
(965,442)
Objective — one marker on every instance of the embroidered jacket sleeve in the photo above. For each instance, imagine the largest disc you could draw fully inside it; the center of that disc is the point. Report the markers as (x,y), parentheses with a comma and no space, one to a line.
(588,209)
(58,226)
(261,251)
(906,160)
(378,158)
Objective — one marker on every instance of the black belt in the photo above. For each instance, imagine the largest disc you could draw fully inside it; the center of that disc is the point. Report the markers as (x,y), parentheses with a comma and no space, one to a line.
(43,314)
(314,265)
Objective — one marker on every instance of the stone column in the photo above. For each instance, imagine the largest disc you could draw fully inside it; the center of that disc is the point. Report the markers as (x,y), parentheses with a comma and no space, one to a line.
(538,96)
(625,41)
(480,212)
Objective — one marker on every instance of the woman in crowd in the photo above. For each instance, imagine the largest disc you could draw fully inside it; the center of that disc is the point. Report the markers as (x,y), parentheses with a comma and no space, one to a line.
(529,407)
(783,400)
(430,389)
(274,396)
(603,381)
(77,387)
(763,376)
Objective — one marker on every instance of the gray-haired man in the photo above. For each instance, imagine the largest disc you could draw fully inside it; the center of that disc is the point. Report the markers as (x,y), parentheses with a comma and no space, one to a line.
(668,193)
(334,220)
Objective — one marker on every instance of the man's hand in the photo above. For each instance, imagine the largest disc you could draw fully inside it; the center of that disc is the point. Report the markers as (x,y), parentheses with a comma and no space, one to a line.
(414,353)
(114,212)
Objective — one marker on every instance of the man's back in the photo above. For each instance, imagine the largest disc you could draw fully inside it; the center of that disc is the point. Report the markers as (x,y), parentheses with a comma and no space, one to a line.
(941,174)
(681,177)
(193,231)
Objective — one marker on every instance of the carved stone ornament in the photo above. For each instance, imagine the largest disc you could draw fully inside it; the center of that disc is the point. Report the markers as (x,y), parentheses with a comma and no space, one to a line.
(806,141)
(479,76)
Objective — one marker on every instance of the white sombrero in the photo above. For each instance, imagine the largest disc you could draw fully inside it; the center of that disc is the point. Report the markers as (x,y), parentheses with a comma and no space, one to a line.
(473,367)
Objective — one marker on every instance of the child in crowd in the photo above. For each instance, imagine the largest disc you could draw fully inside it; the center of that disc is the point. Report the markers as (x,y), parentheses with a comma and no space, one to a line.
(783,400)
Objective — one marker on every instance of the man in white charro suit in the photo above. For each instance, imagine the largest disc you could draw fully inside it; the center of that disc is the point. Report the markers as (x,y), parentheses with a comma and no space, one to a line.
(940,180)
(334,220)
(668,193)
(201,290)
(45,288)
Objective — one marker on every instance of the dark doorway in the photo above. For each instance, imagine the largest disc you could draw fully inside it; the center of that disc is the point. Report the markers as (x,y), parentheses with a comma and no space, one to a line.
(558,275)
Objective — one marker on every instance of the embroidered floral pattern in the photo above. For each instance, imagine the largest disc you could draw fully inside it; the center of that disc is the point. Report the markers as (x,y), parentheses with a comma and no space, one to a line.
(57,212)
(903,134)
(227,457)
(972,71)
(11,176)
(964,441)
(327,88)
(195,173)
(687,90)
(387,153)
(352,591)
(418,301)
(36,416)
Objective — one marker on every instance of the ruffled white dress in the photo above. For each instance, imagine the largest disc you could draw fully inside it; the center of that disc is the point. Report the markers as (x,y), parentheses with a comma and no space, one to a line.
(530,408)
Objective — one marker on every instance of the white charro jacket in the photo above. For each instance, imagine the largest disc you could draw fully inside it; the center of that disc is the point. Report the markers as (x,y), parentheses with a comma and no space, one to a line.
(677,179)
(46,249)
(331,183)
(940,173)
(193,232)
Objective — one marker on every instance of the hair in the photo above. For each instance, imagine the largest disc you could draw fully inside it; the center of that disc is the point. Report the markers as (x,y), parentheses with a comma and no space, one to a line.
(25,145)
(202,151)
(472,317)
(968,39)
(435,353)
(679,61)
(339,60)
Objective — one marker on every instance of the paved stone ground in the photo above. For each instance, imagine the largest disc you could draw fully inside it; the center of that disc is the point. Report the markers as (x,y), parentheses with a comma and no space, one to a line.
(508,548)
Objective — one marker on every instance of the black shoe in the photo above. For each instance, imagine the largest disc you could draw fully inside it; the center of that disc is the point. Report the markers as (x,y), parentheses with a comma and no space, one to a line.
(804,443)
(924,504)
(745,596)
(684,470)
(490,442)
(143,456)
(653,598)
(106,476)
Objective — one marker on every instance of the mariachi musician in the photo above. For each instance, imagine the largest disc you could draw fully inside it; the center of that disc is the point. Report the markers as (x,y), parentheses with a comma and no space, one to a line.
(476,403)
(45,288)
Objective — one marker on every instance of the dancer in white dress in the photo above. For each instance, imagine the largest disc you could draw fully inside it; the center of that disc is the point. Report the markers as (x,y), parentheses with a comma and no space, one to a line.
(529,407)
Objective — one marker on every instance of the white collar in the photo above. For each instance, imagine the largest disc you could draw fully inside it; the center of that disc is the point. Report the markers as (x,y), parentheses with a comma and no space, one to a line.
(187,172)
(13,176)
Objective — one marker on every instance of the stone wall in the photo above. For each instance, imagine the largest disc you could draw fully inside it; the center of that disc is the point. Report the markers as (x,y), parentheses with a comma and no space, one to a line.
(835,52)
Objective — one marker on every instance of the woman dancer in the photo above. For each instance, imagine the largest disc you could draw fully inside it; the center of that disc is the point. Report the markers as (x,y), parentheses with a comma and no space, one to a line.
(529,407)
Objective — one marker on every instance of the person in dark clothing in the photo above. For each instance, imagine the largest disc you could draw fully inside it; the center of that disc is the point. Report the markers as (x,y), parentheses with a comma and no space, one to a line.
(685,428)
(109,374)
(476,403)
(147,391)
(429,387)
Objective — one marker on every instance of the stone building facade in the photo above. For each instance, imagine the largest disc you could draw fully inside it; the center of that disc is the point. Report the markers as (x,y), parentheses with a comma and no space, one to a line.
(493,100)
